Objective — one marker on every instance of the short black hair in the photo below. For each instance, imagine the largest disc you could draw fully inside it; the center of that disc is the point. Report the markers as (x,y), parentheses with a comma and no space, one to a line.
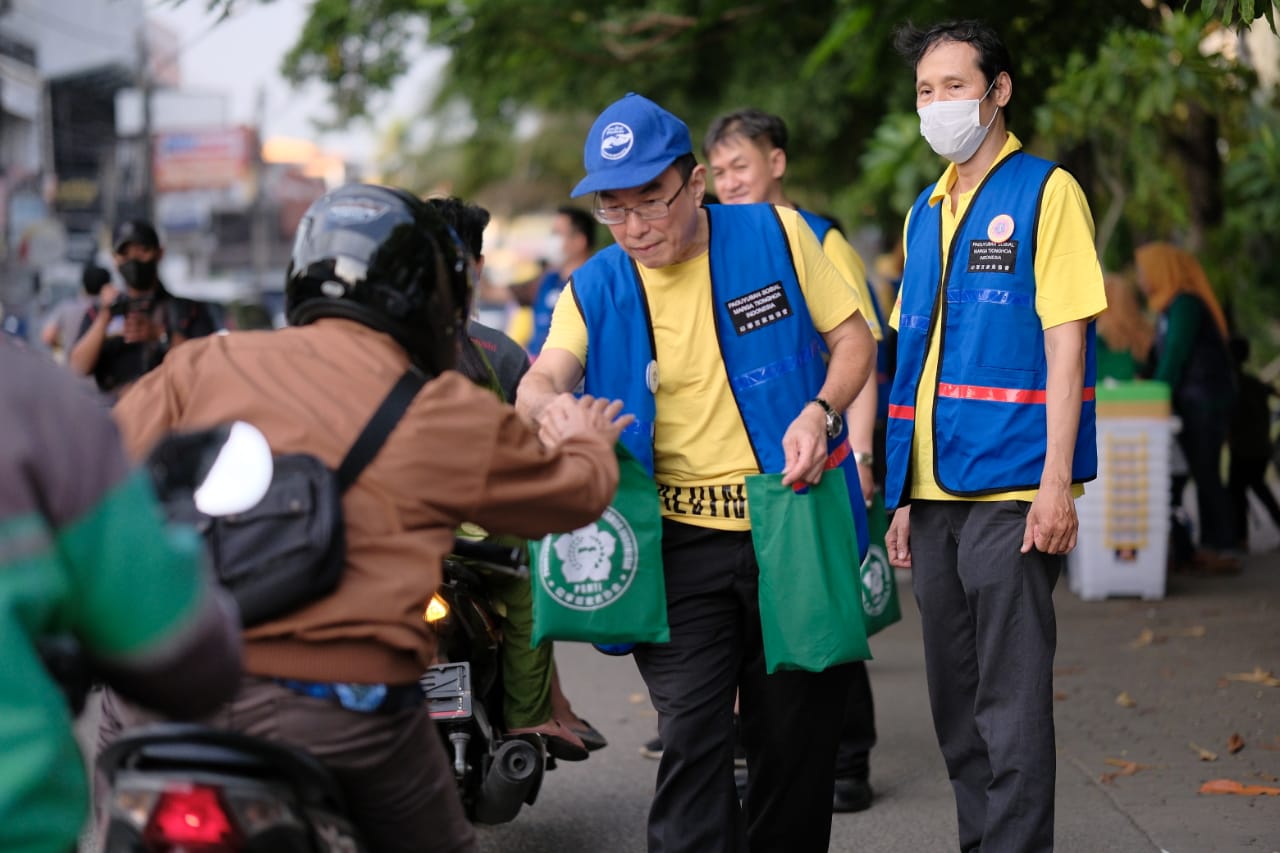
(914,42)
(94,278)
(468,221)
(685,164)
(751,123)
(581,222)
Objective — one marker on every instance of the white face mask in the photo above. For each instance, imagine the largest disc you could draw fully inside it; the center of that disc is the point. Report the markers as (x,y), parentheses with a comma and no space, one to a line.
(953,128)
(555,250)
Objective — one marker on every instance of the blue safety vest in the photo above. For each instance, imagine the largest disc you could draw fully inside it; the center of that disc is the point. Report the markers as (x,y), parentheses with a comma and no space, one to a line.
(989,424)
(544,305)
(772,353)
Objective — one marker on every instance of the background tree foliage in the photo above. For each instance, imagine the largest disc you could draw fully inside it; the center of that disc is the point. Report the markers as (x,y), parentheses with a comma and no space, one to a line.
(1170,142)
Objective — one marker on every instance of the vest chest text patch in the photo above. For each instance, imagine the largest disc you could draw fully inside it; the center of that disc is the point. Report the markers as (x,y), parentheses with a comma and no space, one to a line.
(990,256)
(759,308)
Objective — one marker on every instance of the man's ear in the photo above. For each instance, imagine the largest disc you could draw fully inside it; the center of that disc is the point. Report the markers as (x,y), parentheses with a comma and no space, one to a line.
(1004,88)
(698,183)
(777,163)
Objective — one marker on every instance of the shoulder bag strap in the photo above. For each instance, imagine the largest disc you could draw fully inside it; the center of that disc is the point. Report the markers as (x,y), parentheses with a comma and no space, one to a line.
(375,433)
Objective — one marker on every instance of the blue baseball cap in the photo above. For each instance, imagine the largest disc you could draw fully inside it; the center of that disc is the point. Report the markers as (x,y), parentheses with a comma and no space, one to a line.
(630,144)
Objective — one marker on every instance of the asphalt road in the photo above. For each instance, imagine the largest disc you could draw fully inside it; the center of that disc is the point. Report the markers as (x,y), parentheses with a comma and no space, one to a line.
(1175,658)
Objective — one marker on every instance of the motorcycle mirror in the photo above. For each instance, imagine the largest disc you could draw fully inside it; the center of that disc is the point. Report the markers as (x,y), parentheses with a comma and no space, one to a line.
(240,473)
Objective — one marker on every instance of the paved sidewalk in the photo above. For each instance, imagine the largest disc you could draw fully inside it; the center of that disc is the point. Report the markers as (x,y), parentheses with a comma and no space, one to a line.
(1172,660)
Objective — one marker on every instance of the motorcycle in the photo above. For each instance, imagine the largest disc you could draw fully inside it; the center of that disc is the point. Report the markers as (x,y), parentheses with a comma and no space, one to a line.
(183,787)
(495,774)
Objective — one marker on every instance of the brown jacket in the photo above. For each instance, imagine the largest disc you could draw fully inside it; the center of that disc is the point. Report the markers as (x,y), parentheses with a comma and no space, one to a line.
(458,454)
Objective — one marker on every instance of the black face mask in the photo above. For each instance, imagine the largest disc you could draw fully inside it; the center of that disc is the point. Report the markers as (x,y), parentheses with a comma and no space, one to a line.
(139,275)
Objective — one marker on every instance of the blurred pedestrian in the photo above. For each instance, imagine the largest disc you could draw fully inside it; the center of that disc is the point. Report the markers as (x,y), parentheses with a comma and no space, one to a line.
(991,429)
(62,328)
(1250,444)
(573,239)
(1190,354)
(127,334)
(1124,334)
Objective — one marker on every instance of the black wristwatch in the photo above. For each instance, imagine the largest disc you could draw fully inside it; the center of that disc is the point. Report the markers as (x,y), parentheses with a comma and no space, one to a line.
(835,422)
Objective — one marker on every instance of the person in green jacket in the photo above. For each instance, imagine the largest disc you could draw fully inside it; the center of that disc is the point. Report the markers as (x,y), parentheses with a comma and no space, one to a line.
(86,557)
(1190,354)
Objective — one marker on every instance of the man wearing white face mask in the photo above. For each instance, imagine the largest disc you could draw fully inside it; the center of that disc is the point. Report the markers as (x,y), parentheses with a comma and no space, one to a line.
(991,429)
(573,236)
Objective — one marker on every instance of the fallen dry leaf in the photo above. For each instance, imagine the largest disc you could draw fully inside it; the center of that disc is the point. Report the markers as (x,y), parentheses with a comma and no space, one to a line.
(1124,700)
(1258,676)
(1196,631)
(1059,696)
(1231,786)
(1146,638)
(1266,776)
(1235,743)
(1127,768)
(637,698)
(1205,755)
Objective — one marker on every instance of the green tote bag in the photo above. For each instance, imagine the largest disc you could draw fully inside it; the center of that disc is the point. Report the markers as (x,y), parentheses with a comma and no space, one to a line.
(880,607)
(603,583)
(810,589)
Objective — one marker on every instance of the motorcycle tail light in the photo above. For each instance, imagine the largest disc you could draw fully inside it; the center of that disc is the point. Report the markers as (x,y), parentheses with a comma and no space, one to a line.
(436,610)
(135,805)
(258,813)
(191,818)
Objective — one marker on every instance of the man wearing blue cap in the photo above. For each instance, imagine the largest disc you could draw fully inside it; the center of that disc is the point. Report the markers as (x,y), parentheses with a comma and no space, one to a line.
(707,323)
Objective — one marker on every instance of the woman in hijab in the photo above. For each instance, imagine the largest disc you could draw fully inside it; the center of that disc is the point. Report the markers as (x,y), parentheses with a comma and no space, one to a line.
(1190,354)
(1124,334)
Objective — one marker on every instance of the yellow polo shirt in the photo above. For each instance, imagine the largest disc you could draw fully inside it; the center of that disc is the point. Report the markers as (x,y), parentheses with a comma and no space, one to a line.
(1068,288)
(701,452)
(846,259)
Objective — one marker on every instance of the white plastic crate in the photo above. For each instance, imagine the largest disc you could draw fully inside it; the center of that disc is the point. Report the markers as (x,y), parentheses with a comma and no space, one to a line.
(1122,545)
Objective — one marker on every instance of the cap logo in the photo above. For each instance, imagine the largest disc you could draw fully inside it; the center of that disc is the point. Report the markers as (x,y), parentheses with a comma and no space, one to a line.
(616,141)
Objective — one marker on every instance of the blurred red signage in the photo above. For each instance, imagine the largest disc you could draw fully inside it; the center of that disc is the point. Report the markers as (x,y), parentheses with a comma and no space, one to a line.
(203,159)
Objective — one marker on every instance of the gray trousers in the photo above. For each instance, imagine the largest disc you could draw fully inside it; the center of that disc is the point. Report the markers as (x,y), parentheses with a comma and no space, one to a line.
(989,639)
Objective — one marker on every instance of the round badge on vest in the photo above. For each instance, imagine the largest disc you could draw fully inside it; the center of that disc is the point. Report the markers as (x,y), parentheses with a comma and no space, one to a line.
(1000,228)
(651,376)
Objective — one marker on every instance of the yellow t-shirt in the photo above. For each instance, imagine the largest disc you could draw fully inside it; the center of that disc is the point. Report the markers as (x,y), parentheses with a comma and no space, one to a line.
(1068,288)
(701,452)
(846,259)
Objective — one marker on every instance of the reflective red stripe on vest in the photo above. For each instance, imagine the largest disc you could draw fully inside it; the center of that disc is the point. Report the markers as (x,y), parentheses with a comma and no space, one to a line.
(836,458)
(906,413)
(998,395)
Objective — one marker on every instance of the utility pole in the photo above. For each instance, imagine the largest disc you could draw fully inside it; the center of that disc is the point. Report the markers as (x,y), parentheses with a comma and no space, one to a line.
(259,236)
(148,146)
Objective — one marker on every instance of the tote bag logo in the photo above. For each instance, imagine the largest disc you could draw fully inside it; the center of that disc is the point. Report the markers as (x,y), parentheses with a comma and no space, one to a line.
(591,567)
(877,581)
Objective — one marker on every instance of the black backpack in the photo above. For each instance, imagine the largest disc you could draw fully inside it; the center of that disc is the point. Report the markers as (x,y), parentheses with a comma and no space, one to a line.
(290,549)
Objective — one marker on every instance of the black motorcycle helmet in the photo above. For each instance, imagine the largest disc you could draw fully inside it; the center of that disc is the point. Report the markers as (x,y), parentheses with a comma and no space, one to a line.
(382,257)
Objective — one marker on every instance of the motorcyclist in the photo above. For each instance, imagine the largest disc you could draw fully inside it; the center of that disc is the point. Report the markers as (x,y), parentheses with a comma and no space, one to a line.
(377,282)
(84,555)
(492,360)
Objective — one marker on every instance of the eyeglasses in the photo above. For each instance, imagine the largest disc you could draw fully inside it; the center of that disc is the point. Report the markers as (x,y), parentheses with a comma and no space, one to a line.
(647,210)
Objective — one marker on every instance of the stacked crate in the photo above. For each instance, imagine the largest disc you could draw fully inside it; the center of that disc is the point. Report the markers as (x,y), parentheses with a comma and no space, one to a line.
(1123,542)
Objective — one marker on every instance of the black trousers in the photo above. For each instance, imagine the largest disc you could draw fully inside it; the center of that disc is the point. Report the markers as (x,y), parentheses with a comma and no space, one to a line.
(989,638)
(858,728)
(790,721)
(1245,474)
